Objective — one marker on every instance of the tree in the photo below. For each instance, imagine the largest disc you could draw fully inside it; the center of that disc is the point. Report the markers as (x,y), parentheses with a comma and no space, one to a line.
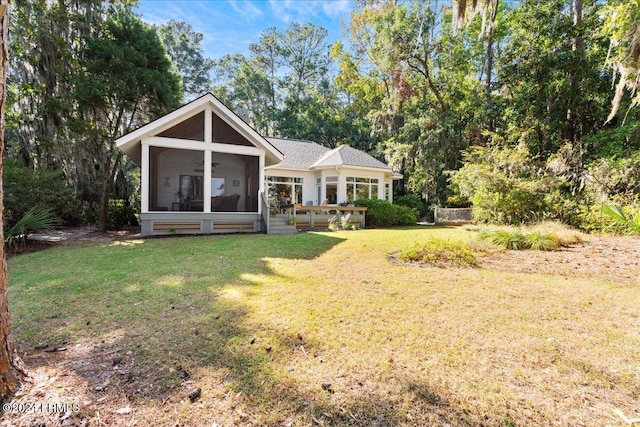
(414,78)
(11,370)
(267,55)
(128,79)
(550,74)
(246,88)
(622,27)
(184,46)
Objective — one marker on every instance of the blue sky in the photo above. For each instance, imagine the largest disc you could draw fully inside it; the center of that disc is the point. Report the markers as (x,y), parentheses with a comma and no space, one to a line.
(229,26)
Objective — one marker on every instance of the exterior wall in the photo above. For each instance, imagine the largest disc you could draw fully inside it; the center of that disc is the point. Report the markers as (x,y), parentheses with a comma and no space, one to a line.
(309,185)
(168,223)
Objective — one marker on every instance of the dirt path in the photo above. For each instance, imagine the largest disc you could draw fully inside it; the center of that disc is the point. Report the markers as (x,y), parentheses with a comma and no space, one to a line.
(86,233)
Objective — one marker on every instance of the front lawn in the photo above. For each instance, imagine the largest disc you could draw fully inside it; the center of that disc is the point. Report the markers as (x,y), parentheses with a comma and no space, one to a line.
(319,328)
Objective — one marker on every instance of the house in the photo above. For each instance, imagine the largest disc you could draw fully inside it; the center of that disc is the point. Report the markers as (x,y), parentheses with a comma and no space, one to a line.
(205,170)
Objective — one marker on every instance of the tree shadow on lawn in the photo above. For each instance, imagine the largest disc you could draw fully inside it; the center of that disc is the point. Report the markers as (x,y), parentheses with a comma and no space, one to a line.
(158,336)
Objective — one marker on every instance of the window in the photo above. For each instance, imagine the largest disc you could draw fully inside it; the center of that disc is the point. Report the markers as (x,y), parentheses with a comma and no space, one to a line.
(331,189)
(217,187)
(287,187)
(361,188)
(318,190)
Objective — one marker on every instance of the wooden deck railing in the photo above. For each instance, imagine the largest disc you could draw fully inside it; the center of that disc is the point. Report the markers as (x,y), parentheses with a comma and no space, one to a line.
(320,215)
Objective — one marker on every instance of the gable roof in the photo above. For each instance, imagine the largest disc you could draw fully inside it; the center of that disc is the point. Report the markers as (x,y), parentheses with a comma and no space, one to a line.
(130,143)
(309,155)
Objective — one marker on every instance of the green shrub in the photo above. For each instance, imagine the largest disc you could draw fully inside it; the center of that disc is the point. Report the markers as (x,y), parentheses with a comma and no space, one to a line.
(25,188)
(441,253)
(120,214)
(382,213)
(504,186)
(411,201)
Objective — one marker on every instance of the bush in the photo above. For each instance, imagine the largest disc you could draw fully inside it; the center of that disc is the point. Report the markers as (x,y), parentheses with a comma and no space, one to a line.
(382,213)
(441,253)
(411,201)
(120,214)
(25,188)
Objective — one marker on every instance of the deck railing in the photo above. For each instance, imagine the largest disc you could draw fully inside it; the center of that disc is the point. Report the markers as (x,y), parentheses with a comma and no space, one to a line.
(319,216)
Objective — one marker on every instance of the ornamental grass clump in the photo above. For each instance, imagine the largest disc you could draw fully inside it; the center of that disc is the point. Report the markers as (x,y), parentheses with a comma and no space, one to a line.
(504,238)
(441,253)
(543,237)
(540,241)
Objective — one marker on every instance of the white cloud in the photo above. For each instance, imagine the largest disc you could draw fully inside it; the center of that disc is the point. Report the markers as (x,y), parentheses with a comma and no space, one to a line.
(337,8)
(229,26)
(246,9)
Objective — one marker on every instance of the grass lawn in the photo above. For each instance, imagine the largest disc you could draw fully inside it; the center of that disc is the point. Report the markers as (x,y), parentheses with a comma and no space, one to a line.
(319,328)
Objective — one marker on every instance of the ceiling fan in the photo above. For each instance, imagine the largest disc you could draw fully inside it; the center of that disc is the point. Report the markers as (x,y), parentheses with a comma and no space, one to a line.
(200,166)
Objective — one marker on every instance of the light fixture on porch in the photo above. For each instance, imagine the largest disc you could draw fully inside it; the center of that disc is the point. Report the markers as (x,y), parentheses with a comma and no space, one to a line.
(200,167)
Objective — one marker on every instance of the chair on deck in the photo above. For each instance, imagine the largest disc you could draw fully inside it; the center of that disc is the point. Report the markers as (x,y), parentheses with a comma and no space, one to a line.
(282,201)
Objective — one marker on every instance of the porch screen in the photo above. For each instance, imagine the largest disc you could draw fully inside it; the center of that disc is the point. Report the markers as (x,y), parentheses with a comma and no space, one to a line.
(173,184)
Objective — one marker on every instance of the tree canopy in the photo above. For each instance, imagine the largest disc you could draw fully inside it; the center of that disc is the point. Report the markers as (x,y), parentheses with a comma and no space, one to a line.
(430,87)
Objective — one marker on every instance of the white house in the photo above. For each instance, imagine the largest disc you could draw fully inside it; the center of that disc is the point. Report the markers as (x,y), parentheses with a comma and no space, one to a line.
(204,170)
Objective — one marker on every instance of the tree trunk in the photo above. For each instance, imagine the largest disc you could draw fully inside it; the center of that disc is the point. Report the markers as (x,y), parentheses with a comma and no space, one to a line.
(105,192)
(11,370)
(575,133)
(492,21)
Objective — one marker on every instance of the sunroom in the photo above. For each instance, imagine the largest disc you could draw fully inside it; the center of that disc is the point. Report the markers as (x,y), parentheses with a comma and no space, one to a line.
(202,170)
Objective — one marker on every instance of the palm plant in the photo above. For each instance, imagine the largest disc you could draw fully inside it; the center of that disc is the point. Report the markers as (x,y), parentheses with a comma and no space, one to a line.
(627,223)
(36,219)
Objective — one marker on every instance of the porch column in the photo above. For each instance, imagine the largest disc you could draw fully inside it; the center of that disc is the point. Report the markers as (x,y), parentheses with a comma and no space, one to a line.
(207,181)
(382,183)
(144,177)
(341,195)
(208,139)
(323,188)
(261,178)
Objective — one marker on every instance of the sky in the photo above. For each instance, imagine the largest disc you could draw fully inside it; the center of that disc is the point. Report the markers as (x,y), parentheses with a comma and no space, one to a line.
(229,26)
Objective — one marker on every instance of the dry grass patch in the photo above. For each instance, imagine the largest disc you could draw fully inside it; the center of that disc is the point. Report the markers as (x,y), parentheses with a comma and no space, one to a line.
(320,328)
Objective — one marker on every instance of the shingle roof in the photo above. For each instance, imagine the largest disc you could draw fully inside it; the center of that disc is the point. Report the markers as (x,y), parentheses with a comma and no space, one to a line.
(308,155)
(298,154)
(349,156)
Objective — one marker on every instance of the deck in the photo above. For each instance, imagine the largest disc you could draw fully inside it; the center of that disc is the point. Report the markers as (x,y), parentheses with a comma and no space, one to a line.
(312,217)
